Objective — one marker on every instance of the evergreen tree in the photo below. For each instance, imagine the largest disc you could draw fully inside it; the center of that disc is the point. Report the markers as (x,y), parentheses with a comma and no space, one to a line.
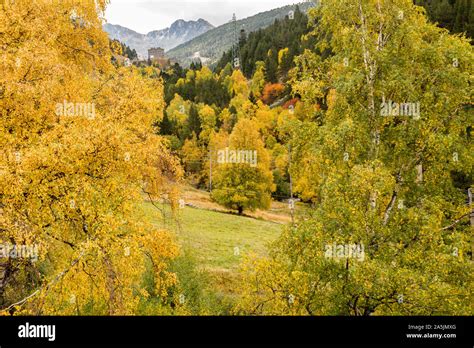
(166,126)
(454,15)
(194,122)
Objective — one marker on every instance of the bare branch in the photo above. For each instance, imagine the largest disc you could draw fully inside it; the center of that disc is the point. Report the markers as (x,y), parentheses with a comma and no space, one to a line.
(456,222)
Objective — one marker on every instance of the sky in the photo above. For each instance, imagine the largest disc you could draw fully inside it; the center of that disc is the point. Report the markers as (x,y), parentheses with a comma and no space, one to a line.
(144,16)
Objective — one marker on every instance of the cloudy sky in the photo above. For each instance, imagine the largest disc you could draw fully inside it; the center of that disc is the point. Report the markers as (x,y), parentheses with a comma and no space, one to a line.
(144,16)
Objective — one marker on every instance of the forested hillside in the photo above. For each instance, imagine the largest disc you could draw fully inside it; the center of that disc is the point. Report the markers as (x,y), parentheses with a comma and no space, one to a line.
(454,15)
(117,46)
(276,46)
(212,44)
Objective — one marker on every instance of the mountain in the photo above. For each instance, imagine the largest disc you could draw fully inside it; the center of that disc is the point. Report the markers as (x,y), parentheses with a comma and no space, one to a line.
(213,43)
(179,32)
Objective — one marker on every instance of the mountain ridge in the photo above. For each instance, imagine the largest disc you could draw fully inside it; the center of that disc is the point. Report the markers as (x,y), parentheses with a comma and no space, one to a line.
(177,33)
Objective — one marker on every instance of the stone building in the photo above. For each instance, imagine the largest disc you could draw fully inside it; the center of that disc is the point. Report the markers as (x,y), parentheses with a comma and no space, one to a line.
(156,53)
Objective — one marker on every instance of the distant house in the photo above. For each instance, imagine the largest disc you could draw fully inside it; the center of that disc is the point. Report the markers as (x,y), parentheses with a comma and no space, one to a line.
(156,53)
(123,61)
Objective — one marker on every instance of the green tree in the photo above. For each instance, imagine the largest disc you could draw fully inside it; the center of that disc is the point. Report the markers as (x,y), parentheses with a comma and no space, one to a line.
(454,15)
(243,181)
(208,120)
(166,126)
(271,63)
(178,112)
(194,121)
(258,80)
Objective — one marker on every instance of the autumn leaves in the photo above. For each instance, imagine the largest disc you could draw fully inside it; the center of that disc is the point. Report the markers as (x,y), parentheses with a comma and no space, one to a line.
(86,150)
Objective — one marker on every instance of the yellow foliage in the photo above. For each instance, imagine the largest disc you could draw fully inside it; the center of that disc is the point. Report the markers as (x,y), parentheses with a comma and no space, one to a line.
(79,151)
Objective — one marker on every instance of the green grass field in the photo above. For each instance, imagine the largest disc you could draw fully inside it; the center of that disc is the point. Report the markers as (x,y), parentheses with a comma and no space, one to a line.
(217,241)
(213,237)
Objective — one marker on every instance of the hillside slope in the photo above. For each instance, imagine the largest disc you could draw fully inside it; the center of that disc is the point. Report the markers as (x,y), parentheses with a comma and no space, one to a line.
(211,45)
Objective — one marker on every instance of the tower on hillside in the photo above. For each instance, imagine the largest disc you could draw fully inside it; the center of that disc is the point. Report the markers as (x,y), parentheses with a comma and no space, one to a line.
(235,45)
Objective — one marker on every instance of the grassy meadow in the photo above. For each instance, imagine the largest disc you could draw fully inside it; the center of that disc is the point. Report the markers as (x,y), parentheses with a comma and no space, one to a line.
(217,242)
